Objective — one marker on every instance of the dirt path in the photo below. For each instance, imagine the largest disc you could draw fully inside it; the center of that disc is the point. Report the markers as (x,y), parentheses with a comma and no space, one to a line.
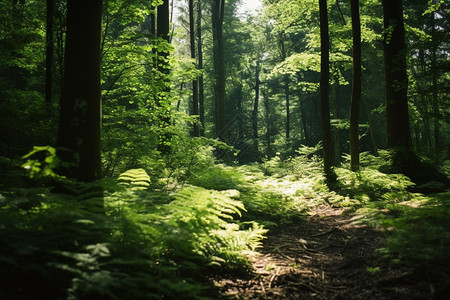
(326,257)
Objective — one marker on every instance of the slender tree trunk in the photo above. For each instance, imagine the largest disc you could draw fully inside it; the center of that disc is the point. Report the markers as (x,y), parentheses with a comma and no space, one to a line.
(286,91)
(80,107)
(268,123)
(302,105)
(324,89)
(201,97)
(288,105)
(434,73)
(356,86)
(304,121)
(196,129)
(162,31)
(397,118)
(49,45)
(217,8)
(240,115)
(255,110)
(335,130)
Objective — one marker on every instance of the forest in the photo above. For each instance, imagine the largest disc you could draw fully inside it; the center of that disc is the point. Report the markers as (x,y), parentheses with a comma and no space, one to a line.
(224,149)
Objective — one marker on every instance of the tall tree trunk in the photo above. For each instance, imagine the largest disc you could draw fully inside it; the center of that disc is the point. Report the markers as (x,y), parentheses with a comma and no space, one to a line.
(162,31)
(356,86)
(255,110)
(201,96)
(268,123)
(196,129)
(217,8)
(434,73)
(80,107)
(288,105)
(286,91)
(49,45)
(397,118)
(324,89)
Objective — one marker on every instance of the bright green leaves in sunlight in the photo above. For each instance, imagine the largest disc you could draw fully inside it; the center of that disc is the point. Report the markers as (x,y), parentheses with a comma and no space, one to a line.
(136,179)
(41,162)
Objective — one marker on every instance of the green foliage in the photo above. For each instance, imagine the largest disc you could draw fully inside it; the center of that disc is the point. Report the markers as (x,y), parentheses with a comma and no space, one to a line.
(136,179)
(145,245)
(219,177)
(43,167)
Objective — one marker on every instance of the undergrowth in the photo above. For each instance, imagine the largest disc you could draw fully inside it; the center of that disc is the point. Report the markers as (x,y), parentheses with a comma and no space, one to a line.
(146,245)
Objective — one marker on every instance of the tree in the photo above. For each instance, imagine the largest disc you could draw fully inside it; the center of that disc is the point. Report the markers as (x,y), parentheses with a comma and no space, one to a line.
(324,81)
(49,50)
(201,96)
(162,32)
(255,108)
(356,87)
(217,14)
(397,117)
(195,111)
(80,106)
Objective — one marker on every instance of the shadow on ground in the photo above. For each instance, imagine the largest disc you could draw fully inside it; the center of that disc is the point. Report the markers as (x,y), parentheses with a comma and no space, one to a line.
(328,256)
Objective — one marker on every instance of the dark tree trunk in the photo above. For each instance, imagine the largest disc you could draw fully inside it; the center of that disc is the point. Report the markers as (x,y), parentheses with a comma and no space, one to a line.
(255,110)
(268,123)
(434,73)
(49,51)
(162,31)
(397,118)
(80,108)
(201,96)
(217,8)
(356,86)
(286,91)
(288,105)
(324,89)
(335,130)
(196,129)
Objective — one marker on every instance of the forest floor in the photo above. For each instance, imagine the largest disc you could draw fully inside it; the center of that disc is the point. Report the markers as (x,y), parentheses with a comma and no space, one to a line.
(327,256)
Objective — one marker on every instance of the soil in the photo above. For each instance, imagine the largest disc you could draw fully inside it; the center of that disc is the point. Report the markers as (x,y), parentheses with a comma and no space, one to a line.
(327,256)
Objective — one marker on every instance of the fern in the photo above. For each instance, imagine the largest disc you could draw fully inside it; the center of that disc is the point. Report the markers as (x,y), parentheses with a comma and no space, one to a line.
(135,179)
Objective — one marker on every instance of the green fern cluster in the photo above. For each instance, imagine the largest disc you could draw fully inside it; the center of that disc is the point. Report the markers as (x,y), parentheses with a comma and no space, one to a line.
(141,245)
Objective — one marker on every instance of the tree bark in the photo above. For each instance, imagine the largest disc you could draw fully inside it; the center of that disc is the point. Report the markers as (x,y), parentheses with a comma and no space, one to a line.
(49,51)
(434,73)
(324,89)
(217,8)
(268,123)
(397,118)
(201,97)
(80,107)
(286,92)
(162,31)
(196,129)
(356,86)
(255,110)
